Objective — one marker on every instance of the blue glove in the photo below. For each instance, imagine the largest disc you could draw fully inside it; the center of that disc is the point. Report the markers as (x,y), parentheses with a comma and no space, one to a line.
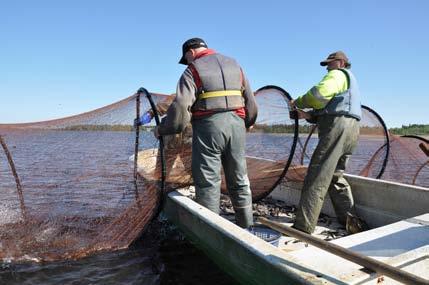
(146,118)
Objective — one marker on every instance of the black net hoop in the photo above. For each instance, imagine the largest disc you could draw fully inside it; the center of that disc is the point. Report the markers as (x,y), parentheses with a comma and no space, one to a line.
(281,118)
(386,144)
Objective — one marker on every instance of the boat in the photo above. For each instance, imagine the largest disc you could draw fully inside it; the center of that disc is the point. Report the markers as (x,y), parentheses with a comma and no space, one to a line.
(396,213)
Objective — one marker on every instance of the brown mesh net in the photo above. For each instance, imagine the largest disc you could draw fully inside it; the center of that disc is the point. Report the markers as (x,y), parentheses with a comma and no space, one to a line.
(78,189)
(79,195)
(408,160)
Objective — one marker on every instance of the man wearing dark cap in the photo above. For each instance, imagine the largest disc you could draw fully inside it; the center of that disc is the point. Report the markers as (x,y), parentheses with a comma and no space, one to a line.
(214,94)
(336,109)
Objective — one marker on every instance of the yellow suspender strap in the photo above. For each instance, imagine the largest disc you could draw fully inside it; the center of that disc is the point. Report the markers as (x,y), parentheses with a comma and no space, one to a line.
(222,93)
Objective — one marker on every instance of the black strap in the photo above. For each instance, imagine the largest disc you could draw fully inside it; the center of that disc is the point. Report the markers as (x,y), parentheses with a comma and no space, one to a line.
(348,77)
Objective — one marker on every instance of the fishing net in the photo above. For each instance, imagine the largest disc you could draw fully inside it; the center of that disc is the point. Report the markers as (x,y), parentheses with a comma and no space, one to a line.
(408,160)
(78,185)
(77,193)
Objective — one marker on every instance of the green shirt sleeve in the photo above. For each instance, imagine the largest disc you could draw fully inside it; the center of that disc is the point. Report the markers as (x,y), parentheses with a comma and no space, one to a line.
(333,83)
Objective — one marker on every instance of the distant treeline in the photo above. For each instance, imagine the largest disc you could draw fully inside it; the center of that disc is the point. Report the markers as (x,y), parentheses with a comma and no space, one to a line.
(110,128)
(413,129)
(280,128)
(371,130)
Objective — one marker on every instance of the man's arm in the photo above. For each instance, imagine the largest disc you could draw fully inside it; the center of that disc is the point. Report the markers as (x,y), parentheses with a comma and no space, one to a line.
(249,103)
(333,83)
(179,112)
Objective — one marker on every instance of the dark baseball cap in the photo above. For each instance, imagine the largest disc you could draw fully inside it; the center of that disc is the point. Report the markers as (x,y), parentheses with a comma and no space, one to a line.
(334,56)
(190,44)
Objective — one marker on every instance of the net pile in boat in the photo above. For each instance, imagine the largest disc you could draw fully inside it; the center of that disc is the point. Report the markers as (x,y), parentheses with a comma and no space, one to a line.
(79,195)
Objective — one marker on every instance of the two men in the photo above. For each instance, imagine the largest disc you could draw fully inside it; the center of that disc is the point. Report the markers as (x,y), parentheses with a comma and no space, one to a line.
(214,94)
(336,109)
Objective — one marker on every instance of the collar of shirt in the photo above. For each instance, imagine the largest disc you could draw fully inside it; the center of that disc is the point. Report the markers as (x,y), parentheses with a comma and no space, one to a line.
(205,52)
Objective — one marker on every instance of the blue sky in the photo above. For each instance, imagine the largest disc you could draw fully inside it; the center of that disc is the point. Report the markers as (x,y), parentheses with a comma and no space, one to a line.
(59,58)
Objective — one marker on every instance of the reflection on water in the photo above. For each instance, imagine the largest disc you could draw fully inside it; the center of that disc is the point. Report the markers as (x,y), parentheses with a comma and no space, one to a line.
(161,256)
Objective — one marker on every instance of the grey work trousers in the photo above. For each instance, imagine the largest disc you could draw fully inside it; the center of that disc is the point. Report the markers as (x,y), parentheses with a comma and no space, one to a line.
(219,140)
(338,136)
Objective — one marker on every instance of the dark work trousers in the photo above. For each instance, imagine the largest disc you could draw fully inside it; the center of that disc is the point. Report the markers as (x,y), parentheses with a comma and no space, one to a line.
(338,136)
(219,141)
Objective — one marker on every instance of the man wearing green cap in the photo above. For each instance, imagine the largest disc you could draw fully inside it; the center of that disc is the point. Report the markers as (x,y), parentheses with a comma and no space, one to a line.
(336,109)
(214,94)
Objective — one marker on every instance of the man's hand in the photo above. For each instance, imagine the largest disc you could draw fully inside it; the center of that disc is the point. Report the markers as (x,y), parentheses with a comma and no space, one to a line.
(146,118)
(303,115)
(300,114)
